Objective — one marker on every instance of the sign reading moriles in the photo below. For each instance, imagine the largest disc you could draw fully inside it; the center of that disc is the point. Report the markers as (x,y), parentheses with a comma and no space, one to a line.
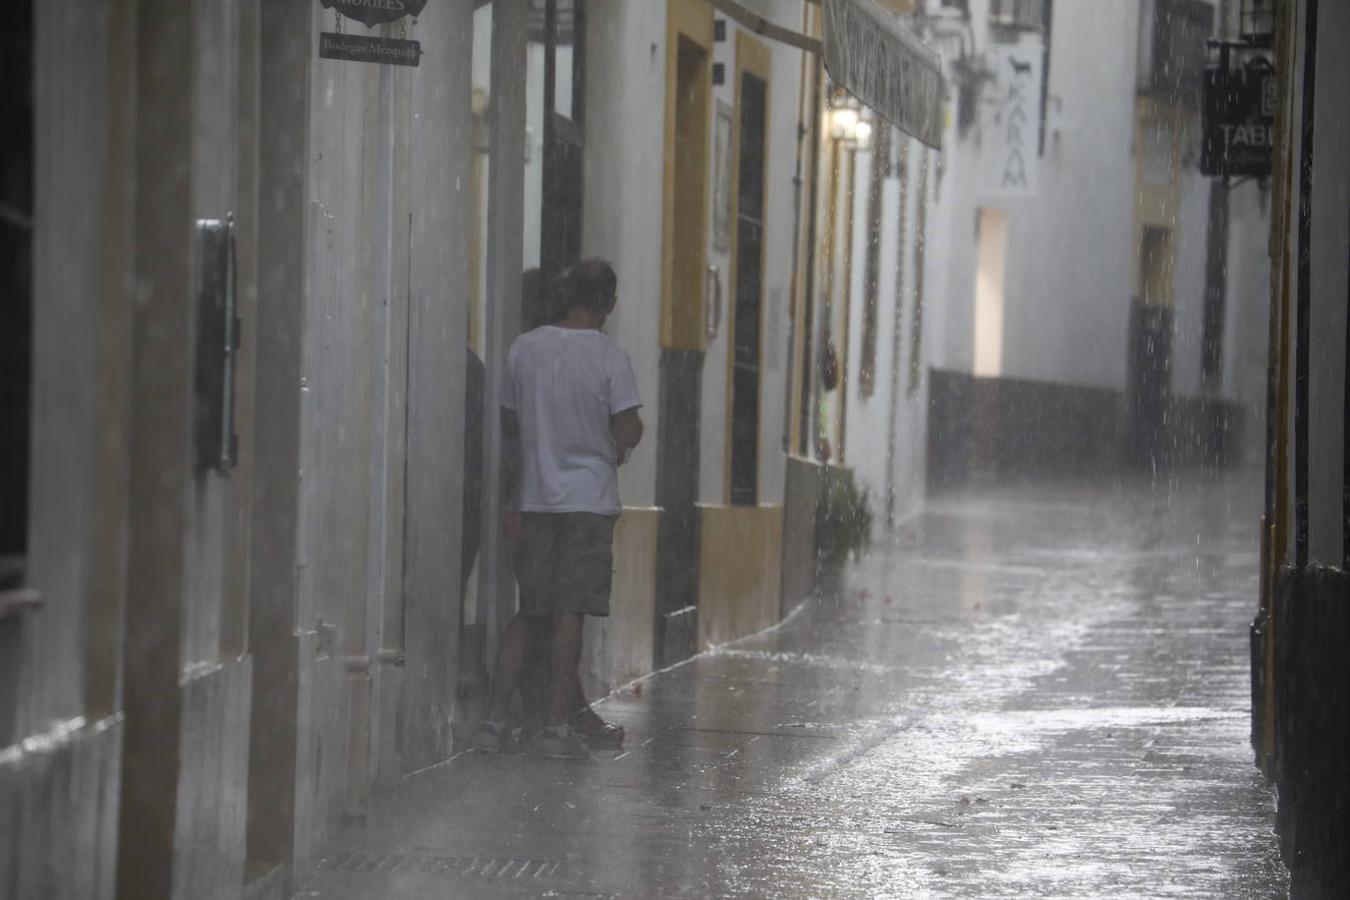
(375,12)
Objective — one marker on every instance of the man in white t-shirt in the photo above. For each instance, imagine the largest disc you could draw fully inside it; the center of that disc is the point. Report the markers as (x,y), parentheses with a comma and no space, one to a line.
(572,401)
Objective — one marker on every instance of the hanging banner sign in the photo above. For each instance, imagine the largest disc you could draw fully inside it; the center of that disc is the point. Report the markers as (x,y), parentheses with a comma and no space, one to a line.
(886,66)
(375,12)
(359,48)
(1010,128)
(1239,120)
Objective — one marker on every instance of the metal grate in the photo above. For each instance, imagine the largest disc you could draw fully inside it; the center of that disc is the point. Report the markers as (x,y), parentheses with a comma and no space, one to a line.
(1258,19)
(1023,15)
(428,863)
(538,18)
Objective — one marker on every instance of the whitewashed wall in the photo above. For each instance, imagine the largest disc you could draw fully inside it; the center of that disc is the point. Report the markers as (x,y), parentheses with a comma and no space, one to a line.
(625,118)
(1188,282)
(389,170)
(887,430)
(1069,255)
(1247,321)
(779,222)
(625,103)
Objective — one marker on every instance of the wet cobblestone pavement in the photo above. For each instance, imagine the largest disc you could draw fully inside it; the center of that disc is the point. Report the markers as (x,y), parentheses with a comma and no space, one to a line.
(1029,692)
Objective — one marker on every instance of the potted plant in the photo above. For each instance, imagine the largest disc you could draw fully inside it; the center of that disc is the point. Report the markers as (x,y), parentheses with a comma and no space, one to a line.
(843,520)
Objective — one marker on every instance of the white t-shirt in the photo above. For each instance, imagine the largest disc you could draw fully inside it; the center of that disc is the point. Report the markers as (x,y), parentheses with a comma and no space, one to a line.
(564,384)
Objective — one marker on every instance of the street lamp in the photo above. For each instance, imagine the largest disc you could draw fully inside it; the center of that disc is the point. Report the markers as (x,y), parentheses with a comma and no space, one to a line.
(848,126)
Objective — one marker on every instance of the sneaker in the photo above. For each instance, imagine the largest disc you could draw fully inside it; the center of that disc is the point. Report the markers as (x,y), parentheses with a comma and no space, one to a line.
(596,732)
(492,737)
(559,741)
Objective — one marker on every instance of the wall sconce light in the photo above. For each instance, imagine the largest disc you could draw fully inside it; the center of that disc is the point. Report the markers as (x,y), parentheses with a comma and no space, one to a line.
(862,134)
(843,123)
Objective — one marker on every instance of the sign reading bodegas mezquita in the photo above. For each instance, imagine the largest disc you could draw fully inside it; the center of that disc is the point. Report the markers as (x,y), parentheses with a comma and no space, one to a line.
(375,12)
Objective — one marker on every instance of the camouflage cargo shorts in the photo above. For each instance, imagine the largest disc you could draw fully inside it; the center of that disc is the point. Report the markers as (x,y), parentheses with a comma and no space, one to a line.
(565,563)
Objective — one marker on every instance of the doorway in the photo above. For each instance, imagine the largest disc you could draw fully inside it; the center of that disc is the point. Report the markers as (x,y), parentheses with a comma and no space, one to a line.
(16,342)
(563,37)
(1150,356)
(683,327)
(989,277)
(748,255)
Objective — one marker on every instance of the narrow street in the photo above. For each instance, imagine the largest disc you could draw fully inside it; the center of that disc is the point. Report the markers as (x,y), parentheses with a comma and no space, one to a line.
(1032,692)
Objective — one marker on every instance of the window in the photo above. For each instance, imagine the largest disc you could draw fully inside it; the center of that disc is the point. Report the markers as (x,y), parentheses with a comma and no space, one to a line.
(1173,52)
(1257,20)
(1022,15)
(561,31)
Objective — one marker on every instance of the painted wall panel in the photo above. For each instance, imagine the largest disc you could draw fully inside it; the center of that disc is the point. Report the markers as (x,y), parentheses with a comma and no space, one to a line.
(740,578)
(1329,291)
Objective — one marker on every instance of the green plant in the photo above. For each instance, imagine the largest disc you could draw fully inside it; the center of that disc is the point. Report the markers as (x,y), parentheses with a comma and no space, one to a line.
(843,519)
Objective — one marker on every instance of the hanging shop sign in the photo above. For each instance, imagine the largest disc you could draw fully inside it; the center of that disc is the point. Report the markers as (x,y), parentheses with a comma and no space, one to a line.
(1010,123)
(1239,119)
(360,48)
(886,66)
(375,12)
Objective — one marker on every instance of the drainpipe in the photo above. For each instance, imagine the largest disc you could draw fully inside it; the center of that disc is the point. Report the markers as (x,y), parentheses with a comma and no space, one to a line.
(796,234)
(808,381)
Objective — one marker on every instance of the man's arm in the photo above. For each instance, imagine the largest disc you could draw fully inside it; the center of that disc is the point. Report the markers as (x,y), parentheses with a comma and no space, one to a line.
(627,429)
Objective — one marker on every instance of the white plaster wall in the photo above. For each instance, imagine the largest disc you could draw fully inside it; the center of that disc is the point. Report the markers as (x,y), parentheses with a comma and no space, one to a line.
(330,557)
(871,418)
(354,238)
(625,119)
(1070,253)
(1069,257)
(712,481)
(868,415)
(949,320)
(534,151)
(1188,282)
(908,467)
(1247,319)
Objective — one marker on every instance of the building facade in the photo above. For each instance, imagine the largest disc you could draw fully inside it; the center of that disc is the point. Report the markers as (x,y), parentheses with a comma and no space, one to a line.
(1101,300)
(266,279)
(1302,629)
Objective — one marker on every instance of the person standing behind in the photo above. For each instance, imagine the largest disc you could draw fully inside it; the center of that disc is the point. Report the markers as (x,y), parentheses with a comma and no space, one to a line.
(571,398)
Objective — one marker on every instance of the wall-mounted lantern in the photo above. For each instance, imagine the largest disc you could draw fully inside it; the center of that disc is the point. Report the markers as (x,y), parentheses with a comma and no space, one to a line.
(848,124)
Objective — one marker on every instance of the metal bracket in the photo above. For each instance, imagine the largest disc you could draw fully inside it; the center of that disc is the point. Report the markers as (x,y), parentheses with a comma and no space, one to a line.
(218,340)
(713,297)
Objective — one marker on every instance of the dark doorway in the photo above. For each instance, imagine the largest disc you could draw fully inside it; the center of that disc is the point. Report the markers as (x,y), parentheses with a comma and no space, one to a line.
(16,283)
(682,355)
(561,26)
(16,337)
(1216,287)
(1151,349)
(749,291)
